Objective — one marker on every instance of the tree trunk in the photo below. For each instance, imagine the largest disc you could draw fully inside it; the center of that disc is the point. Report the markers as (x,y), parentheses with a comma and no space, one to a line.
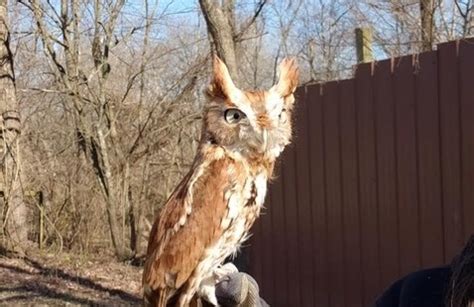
(220,25)
(427,8)
(15,215)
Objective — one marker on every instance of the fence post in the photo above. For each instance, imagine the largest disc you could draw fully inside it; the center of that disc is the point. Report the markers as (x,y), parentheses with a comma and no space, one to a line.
(364,45)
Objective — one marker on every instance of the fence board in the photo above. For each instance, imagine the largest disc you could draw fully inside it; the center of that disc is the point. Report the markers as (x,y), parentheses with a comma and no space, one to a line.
(318,197)
(267,237)
(367,182)
(450,148)
(386,171)
(350,196)
(254,252)
(333,193)
(304,203)
(407,167)
(466,73)
(429,182)
(280,249)
(291,216)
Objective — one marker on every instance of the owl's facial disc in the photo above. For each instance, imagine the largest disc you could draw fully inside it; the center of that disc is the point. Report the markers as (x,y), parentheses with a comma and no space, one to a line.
(251,121)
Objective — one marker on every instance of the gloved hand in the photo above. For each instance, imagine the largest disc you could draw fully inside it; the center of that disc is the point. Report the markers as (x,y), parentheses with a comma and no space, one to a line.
(238,289)
(230,288)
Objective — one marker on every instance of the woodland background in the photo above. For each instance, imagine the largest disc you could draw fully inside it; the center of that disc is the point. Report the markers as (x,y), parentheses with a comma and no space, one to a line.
(109,95)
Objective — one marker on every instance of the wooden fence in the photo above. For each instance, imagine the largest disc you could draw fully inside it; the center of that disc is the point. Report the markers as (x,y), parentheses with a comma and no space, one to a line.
(379,181)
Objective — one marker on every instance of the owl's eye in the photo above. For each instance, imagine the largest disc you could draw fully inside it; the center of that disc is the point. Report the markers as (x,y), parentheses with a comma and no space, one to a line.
(233,116)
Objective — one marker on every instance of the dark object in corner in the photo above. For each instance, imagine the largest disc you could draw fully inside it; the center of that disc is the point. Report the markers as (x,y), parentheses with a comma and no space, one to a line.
(426,288)
(461,286)
(446,286)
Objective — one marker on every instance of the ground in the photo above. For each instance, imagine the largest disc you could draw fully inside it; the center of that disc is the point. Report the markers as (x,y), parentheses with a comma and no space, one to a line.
(59,280)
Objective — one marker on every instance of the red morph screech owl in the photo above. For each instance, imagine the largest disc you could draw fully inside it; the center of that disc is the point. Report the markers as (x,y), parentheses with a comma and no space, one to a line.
(210,212)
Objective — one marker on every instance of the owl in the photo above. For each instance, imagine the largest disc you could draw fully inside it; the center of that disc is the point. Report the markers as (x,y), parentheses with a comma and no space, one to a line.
(210,213)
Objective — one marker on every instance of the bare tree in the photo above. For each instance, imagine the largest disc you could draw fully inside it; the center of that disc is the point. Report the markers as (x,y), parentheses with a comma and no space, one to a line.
(427,13)
(224,33)
(14,213)
(83,95)
(466,10)
(111,111)
(94,118)
(220,20)
(110,92)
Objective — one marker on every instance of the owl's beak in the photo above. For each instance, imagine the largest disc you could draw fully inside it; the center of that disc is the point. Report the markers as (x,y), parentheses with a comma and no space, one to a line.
(264,139)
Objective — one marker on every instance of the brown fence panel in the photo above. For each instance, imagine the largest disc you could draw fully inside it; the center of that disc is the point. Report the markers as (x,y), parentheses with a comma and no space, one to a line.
(450,134)
(333,194)
(268,246)
(350,196)
(407,166)
(466,96)
(303,187)
(291,215)
(257,253)
(280,248)
(318,197)
(386,170)
(378,182)
(367,181)
(428,160)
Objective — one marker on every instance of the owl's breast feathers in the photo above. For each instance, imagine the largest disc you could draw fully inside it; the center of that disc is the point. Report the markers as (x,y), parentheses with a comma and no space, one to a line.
(198,215)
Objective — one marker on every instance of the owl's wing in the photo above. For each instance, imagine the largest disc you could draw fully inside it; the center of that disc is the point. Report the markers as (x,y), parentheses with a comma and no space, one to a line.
(189,223)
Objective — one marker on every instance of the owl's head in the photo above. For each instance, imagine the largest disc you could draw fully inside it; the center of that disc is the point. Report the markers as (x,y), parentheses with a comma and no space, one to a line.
(250,122)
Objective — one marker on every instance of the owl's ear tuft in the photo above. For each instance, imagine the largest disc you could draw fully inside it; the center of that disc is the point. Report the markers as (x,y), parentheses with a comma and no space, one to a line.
(288,80)
(221,85)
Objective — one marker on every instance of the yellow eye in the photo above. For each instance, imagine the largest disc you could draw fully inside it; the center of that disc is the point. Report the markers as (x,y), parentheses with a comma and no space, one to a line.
(233,116)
